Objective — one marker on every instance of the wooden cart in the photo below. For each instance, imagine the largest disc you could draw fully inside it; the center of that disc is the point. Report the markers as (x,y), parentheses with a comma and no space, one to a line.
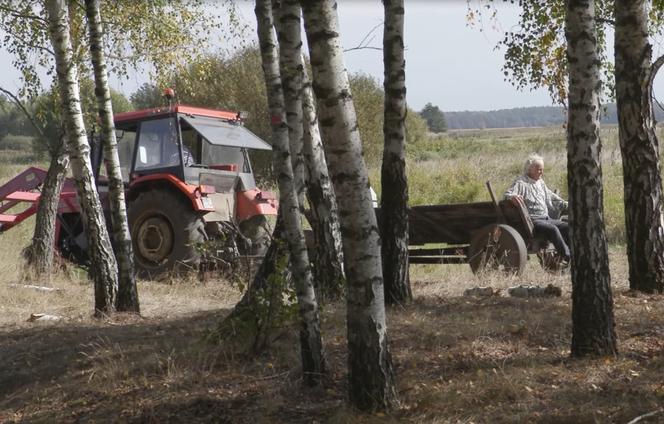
(487,235)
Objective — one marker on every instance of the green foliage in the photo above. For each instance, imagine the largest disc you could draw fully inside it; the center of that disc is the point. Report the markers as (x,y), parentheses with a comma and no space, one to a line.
(368,97)
(434,117)
(46,110)
(147,96)
(257,319)
(535,51)
(166,34)
(12,119)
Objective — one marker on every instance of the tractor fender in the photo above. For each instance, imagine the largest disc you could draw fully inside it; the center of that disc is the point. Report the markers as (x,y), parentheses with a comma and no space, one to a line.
(255,202)
(196,195)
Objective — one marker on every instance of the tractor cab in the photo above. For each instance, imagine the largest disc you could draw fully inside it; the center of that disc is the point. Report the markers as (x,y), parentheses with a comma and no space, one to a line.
(183,141)
(187,167)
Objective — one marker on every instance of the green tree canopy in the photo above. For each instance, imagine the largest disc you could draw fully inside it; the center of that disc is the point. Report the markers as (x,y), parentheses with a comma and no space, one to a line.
(434,117)
(46,109)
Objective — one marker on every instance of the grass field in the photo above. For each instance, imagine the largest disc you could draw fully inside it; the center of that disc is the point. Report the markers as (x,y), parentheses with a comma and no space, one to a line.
(458,359)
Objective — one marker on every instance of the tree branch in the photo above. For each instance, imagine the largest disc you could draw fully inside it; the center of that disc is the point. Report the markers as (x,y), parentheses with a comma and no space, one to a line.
(649,414)
(362,48)
(15,14)
(20,105)
(368,38)
(654,69)
(34,46)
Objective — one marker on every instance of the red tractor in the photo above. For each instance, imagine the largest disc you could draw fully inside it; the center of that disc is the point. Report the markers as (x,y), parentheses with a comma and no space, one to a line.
(188,180)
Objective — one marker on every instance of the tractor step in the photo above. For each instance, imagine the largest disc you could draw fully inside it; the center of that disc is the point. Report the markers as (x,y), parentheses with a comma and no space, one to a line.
(8,219)
(23,196)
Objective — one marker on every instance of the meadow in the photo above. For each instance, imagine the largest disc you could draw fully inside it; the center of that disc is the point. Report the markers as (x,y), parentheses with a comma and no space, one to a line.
(458,359)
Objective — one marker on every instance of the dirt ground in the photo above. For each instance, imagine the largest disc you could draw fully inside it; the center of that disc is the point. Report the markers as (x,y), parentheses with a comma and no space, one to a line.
(458,359)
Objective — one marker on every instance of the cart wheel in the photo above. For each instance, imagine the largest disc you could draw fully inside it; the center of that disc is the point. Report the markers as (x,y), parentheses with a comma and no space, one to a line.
(497,247)
(551,261)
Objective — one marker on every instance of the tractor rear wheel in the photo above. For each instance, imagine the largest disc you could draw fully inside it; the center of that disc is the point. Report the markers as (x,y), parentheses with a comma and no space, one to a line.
(497,247)
(165,232)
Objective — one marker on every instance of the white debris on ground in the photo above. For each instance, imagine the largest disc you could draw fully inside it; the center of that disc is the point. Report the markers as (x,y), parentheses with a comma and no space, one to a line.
(517,291)
(37,288)
(43,317)
(482,292)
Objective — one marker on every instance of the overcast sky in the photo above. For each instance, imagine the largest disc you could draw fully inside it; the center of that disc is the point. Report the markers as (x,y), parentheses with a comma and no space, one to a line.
(448,63)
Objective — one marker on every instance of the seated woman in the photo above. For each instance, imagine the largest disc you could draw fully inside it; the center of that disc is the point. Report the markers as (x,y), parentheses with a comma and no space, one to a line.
(542,204)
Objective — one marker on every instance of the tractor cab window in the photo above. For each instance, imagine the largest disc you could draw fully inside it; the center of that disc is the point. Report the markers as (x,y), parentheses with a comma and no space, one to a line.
(191,142)
(125,146)
(222,143)
(157,145)
(225,155)
(126,141)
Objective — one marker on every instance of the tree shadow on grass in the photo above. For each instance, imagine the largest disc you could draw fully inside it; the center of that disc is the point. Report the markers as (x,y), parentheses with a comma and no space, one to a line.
(150,371)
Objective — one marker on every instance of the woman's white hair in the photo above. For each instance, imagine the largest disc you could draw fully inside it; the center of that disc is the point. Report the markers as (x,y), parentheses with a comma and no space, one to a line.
(532,159)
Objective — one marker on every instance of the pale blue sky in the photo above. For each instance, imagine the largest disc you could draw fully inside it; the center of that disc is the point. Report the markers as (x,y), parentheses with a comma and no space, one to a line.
(448,63)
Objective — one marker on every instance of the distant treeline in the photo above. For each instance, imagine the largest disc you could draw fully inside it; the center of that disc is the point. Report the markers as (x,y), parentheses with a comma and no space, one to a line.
(541,116)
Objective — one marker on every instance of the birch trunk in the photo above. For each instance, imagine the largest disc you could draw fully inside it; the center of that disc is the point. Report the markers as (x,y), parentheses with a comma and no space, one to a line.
(639,147)
(103,268)
(593,328)
(39,255)
(394,193)
(371,377)
(324,218)
(286,14)
(127,299)
(313,361)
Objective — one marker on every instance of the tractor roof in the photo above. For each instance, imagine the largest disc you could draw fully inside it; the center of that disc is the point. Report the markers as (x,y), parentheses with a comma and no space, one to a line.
(139,115)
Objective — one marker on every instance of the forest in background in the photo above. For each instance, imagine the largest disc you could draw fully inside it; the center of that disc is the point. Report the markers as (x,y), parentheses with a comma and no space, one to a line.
(538,116)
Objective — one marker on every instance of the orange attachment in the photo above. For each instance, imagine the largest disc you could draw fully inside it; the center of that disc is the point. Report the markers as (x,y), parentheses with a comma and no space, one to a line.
(225,167)
(254,202)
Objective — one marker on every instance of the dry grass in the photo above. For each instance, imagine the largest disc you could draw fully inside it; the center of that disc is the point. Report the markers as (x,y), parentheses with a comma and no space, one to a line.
(458,359)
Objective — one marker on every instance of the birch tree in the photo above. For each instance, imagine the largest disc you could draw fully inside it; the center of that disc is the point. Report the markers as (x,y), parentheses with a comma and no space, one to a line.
(639,147)
(103,267)
(394,193)
(593,328)
(39,254)
(127,299)
(534,56)
(313,361)
(324,218)
(139,32)
(371,377)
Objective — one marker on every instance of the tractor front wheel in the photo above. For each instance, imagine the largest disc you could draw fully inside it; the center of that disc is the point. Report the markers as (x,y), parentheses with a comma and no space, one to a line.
(165,232)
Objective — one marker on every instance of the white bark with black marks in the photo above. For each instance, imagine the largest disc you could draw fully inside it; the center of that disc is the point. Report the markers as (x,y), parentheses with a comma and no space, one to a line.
(287,24)
(639,147)
(371,377)
(127,299)
(103,267)
(39,254)
(313,360)
(394,193)
(324,219)
(593,328)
